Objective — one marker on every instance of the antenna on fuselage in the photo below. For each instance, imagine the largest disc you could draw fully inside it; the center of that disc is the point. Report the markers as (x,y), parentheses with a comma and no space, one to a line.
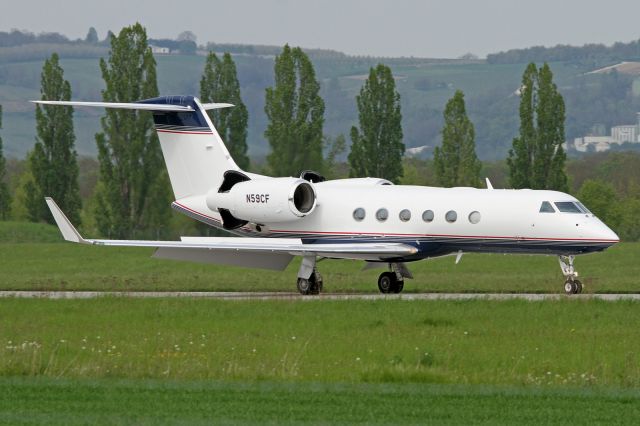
(489,186)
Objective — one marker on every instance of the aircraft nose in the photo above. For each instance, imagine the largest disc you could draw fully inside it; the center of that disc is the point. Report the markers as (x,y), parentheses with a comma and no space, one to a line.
(607,234)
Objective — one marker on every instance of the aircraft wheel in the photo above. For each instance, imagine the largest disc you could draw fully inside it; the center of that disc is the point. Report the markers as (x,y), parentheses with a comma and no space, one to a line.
(398,287)
(387,282)
(304,286)
(313,285)
(317,280)
(578,287)
(572,286)
(568,287)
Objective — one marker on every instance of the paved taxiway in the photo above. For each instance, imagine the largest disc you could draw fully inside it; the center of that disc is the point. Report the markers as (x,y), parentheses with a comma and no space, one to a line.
(296,296)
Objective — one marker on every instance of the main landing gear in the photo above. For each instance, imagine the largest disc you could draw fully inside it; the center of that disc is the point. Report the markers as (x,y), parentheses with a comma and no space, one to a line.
(311,285)
(393,281)
(571,285)
(309,279)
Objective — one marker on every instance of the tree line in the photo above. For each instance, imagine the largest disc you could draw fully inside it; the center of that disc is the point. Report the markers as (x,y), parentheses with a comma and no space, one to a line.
(132,196)
(591,54)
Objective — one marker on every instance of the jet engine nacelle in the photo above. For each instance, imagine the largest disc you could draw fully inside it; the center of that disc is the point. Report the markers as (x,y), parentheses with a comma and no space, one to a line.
(265,200)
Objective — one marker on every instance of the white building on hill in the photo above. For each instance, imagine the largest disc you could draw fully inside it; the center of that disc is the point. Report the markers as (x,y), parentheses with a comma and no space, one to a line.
(619,134)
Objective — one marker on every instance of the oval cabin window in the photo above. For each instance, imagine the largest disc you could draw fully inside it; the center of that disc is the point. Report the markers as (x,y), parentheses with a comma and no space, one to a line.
(427,215)
(382,214)
(451,216)
(359,214)
(474,217)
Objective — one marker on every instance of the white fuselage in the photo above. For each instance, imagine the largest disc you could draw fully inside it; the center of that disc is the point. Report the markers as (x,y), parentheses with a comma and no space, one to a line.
(505,220)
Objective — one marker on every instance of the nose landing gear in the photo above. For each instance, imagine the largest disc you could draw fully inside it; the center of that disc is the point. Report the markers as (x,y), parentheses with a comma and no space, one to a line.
(571,285)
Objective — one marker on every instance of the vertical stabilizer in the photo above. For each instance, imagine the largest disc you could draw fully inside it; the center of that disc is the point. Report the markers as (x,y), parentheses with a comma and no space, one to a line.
(195,155)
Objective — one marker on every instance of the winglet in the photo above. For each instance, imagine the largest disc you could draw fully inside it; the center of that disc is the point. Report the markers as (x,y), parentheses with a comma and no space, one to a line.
(489,186)
(69,232)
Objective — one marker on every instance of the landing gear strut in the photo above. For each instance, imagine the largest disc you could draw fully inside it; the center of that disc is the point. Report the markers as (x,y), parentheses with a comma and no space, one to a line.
(309,279)
(571,285)
(393,281)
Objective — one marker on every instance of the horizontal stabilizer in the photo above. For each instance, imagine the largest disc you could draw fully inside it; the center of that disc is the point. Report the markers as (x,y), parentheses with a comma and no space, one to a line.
(122,105)
(216,106)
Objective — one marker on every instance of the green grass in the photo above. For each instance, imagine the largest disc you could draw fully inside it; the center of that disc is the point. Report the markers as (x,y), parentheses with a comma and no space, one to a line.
(25,401)
(66,266)
(567,343)
(27,232)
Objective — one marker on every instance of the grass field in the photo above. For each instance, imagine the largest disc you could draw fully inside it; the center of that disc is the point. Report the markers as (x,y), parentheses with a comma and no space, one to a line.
(28,401)
(144,361)
(65,266)
(148,361)
(561,343)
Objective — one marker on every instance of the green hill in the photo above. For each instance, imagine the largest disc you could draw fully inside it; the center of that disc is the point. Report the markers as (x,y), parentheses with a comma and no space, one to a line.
(424,84)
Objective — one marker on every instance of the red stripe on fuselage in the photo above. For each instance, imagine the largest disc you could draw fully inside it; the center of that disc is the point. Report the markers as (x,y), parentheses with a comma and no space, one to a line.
(387,234)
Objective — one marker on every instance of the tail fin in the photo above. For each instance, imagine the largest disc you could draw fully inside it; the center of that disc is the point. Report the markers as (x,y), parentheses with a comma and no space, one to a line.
(195,155)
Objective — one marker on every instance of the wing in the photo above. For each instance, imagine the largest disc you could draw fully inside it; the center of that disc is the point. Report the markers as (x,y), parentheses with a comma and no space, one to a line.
(270,253)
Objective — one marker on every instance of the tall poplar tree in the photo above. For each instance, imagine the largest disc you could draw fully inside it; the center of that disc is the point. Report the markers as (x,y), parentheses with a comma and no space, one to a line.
(53,163)
(133,192)
(219,83)
(296,115)
(456,162)
(537,159)
(376,147)
(5,196)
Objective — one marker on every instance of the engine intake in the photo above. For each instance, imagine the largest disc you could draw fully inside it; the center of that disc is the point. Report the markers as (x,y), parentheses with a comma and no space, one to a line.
(264,201)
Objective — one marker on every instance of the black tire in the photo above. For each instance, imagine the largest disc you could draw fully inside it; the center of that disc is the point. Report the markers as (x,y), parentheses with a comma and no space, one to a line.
(578,287)
(398,287)
(315,285)
(304,286)
(570,287)
(386,282)
(318,283)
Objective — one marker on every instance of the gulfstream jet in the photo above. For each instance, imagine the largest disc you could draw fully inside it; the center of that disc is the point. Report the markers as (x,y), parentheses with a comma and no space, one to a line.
(366,219)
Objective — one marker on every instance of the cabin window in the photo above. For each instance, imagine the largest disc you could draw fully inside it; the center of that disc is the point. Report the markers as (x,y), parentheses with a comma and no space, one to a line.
(359,214)
(474,217)
(567,207)
(546,207)
(405,215)
(427,215)
(451,216)
(382,214)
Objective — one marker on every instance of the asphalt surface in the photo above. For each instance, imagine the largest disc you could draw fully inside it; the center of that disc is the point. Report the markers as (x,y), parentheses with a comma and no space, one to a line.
(296,296)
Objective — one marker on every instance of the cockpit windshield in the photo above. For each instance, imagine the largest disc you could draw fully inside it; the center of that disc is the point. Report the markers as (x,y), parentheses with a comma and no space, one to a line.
(546,207)
(570,207)
(582,206)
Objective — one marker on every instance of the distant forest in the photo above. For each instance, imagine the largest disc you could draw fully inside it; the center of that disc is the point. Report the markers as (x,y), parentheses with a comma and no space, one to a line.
(589,54)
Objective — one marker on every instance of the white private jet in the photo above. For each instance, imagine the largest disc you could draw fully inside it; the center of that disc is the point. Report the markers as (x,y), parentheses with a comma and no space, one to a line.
(366,219)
